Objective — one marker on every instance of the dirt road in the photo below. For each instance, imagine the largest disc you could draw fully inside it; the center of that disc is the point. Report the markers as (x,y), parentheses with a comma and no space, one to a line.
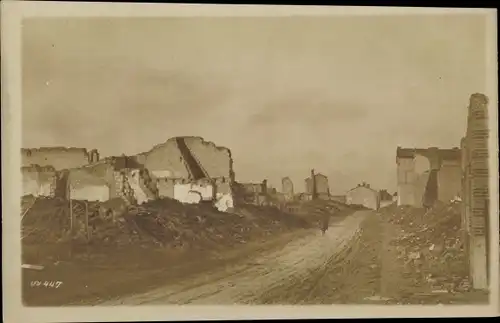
(248,282)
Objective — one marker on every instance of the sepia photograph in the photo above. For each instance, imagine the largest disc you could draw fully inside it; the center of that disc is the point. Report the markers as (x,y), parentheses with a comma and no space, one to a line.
(255,159)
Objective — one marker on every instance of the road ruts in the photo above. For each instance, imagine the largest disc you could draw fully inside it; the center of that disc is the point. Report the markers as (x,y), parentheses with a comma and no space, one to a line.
(249,282)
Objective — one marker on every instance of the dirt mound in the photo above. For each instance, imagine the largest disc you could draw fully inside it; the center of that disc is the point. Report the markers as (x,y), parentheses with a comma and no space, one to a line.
(44,219)
(161,223)
(431,245)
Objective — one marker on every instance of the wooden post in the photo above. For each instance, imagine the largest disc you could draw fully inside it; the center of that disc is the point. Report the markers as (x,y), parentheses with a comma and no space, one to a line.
(87,229)
(71,220)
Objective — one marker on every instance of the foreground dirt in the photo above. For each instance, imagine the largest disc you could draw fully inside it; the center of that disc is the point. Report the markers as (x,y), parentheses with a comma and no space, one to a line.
(358,261)
(153,245)
(247,282)
(131,271)
(368,270)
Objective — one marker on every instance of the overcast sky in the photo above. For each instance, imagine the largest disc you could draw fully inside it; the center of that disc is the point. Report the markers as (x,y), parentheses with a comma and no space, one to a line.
(337,94)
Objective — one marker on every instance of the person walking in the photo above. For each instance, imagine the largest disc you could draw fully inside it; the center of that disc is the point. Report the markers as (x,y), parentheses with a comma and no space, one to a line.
(325,221)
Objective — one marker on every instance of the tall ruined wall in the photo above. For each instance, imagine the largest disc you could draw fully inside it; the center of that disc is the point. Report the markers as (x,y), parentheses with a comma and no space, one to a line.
(216,161)
(475,190)
(165,160)
(449,180)
(477,151)
(406,178)
(420,186)
(58,157)
(92,183)
(39,181)
(427,175)
(287,188)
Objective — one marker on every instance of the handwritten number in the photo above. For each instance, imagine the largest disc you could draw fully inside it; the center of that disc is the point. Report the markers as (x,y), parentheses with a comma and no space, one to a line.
(46,284)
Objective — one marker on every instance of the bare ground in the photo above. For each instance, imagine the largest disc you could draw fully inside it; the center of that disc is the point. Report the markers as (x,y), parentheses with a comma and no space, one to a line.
(355,262)
(247,282)
(133,270)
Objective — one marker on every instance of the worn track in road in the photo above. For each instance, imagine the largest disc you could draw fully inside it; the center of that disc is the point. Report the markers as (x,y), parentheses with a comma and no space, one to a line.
(248,282)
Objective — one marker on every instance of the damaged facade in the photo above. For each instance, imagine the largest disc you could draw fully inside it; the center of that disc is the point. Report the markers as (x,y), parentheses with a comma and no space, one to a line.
(427,175)
(191,170)
(58,157)
(287,188)
(475,190)
(386,198)
(252,193)
(39,180)
(317,186)
(187,169)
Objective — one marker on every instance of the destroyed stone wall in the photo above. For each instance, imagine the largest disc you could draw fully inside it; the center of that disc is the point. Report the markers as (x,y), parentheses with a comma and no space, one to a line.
(419,187)
(322,186)
(165,160)
(216,161)
(287,189)
(413,172)
(449,180)
(184,191)
(39,181)
(92,183)
(475,189)
(405,177)
(166,187)
(58,157)
(250,193)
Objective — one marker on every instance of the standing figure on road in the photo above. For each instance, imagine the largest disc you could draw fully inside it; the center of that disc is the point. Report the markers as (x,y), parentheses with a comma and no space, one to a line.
(325,223)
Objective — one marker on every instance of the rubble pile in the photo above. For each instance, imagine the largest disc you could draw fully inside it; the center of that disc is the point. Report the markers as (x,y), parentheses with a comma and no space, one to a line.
(431,247)
(44,219)
(158,223)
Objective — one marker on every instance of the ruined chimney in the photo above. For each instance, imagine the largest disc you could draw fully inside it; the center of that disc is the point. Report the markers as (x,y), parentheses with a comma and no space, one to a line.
(314,188)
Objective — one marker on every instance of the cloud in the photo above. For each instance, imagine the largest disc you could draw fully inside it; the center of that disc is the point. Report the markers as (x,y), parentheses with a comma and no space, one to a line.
(284,94)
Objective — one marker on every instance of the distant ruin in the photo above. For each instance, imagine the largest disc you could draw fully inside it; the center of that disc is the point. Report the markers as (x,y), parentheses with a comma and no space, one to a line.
(287,189)
(317,186)
(427,175)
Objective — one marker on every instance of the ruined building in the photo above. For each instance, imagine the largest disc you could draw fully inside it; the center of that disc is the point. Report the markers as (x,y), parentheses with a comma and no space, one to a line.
(252,193)
(58,157)
(317,186)
(475,189)
(192,170)
(42,168)
(287,189)
(427,175)
(188,169)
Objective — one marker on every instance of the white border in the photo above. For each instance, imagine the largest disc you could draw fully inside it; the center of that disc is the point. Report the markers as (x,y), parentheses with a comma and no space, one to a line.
(13,12)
